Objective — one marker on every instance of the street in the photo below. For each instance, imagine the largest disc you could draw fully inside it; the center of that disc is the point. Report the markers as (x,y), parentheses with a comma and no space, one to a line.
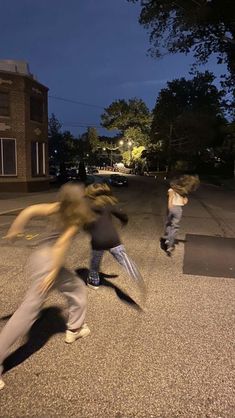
(174,358)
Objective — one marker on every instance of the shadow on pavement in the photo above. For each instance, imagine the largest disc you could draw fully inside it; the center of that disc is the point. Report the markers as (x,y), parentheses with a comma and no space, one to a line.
(163,245)
(83,274)
(49,323)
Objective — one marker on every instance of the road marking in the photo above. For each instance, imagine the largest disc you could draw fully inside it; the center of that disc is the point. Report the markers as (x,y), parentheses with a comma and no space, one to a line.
(27,236)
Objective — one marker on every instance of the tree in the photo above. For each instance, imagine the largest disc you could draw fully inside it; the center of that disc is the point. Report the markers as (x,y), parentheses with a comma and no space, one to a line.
(63,147)
(93,139)
(204,27)
(55,142)
(136,136)
(54,126)
(123,114)
(188,116)
(133,155)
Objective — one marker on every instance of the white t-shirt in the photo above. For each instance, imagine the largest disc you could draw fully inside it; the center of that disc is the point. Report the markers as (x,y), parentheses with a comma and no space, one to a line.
(177,199)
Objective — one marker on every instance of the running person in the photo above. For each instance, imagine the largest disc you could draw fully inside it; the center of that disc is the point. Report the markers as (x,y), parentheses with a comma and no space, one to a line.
(45,268)
(177,199)
(104,236)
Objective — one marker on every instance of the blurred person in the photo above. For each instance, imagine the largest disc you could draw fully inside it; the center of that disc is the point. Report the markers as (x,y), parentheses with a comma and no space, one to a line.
(104,236)
(177,199)
(45,268)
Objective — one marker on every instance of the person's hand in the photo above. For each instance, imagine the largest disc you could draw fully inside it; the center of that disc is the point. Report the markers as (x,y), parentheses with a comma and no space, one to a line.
(12,235)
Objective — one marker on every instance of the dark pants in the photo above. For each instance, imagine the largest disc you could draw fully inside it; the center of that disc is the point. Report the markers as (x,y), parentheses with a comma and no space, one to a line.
(120,255)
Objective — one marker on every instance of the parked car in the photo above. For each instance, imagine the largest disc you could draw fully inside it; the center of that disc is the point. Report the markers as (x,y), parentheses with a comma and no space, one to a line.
(118,180)
(53,175)
(72,175)
(90,179)
(92,170)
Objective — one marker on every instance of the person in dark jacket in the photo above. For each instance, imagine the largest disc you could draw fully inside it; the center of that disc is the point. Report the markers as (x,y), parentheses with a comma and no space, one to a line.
(104,236)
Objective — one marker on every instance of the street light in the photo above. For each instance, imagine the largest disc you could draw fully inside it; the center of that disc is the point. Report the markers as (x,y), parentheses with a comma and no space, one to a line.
(121,142)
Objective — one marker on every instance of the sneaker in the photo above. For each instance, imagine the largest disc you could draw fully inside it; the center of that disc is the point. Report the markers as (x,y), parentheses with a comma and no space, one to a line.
(93,286)
(71,336)
(2,384)
(170,250)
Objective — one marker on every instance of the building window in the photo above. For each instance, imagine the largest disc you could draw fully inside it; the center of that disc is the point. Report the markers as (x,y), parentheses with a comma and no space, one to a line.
(7,157)
(36,109)
(4,104)
(38,158)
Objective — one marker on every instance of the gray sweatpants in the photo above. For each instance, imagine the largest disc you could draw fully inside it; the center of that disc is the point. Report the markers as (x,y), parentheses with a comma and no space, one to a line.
(120,255)
(73,288)
(172,224)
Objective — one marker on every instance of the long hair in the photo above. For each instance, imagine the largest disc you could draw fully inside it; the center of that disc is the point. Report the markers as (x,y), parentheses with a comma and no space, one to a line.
(74,208)
(100,195)
(185,184)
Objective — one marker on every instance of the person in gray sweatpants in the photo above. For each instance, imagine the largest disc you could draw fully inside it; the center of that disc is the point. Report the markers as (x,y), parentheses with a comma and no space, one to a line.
(45,269)
(177,199)
(174,216)
(73,288)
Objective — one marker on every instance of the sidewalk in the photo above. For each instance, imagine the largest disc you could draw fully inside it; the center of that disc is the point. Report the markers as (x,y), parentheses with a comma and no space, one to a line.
(10,202)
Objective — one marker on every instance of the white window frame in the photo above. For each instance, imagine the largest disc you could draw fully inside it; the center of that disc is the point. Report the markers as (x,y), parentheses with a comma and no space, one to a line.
(43,159)
(16,171)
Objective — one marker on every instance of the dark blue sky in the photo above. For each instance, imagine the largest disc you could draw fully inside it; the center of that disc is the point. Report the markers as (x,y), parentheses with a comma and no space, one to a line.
(91,51)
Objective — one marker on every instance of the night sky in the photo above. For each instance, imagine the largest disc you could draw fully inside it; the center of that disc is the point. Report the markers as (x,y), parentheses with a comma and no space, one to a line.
(90,51)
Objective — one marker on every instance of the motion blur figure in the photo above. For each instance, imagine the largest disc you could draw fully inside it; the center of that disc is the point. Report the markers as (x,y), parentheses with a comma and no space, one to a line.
(104,236)
(45,268)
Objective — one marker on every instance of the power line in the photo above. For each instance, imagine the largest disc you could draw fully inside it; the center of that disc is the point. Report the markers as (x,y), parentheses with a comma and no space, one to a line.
(72,125)
(59,98)
(89,125)
(75,102)
(81,125)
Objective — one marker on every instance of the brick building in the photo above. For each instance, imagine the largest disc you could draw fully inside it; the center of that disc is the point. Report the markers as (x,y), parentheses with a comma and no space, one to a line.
(23,129)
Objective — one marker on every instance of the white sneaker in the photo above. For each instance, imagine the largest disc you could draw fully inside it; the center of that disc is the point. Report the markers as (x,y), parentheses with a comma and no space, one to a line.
(71,336)
(2,384)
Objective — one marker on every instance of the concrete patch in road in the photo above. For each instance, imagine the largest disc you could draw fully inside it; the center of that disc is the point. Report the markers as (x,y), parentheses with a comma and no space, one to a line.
(209,256)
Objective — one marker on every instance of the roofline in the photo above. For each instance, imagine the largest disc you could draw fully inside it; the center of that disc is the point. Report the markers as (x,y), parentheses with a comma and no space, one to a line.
(10,73)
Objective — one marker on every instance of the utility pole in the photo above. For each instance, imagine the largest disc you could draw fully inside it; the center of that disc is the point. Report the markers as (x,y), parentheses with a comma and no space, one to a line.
(170,144)
(169,147)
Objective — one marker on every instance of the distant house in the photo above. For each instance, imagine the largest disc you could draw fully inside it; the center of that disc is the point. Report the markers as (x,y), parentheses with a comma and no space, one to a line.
(23,129)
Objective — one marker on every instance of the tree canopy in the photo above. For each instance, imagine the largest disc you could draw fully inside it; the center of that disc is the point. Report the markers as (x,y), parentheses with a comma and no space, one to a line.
(204,27)
(122,114)
(188,116)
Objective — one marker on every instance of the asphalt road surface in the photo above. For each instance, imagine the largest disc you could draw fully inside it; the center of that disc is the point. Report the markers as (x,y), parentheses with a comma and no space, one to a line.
(173,359)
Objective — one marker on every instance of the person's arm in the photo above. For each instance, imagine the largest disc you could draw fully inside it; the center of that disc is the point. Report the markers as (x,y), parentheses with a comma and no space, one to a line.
(118,213)
(170,198)
(59,251)
(25,215)
(185,200)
